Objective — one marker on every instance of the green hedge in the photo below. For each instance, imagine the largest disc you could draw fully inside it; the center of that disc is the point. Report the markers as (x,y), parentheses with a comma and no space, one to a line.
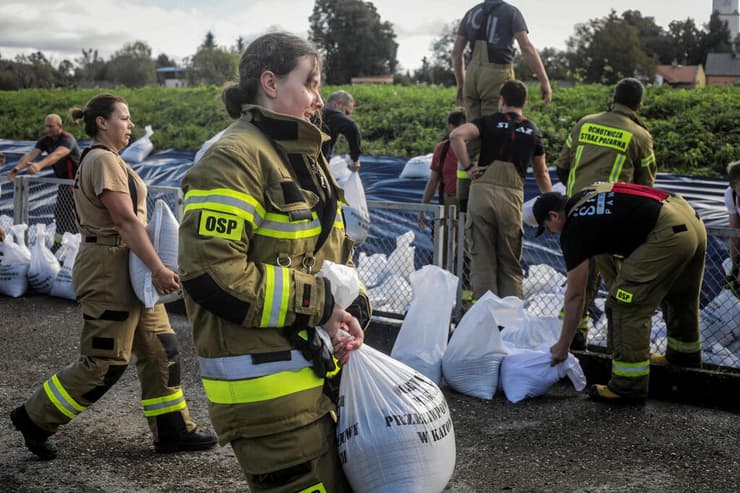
(695,131)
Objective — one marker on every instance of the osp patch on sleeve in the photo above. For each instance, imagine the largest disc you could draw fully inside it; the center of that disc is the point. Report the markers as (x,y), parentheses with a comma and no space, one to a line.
(220,225)
(624,296)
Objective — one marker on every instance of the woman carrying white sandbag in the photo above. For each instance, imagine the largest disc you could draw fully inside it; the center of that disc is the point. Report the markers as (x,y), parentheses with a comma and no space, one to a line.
(110,205)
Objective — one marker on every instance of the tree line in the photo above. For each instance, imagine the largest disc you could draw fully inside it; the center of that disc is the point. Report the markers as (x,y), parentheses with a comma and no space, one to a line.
(354,41)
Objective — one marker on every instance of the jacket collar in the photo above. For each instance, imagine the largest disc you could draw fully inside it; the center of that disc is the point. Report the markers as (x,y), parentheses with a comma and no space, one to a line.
(293,135)
(628,112)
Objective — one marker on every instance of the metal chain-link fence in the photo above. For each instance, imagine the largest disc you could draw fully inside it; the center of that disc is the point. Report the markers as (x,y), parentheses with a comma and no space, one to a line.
(47,200)
(396,246)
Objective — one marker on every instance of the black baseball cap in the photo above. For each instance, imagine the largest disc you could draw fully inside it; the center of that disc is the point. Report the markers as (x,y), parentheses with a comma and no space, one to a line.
(549,201)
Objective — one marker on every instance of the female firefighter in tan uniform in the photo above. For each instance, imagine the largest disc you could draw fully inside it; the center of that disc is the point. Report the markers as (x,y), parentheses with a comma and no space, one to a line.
(110,202)
(262,213)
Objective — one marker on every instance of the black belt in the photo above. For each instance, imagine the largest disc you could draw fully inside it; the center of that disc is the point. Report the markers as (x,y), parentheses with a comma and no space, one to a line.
(114,240)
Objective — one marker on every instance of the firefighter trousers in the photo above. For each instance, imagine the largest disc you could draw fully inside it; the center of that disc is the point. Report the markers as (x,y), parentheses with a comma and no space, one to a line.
(667,269)
(111,332)
(318,470)
(483,82)
(493,230)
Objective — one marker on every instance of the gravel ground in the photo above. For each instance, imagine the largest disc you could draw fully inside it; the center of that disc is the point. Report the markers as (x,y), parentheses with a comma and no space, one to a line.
(558,442)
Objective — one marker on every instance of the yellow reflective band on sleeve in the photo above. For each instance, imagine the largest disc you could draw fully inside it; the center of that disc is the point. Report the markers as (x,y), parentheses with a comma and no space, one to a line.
(225,200)
(617,168)
(631,370)
(684,347)
(163,405)
(339,219)
(645,162)
(569,141)
(262,388)
(624,296)
(462,175)
(603,136)
(226,226)
(277,293)
(280,226)
(317,488)
(61,398)
(572,173)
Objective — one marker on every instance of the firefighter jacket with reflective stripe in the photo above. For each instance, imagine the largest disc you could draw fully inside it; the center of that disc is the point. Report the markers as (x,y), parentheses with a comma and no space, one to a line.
(610,146)
(261,214)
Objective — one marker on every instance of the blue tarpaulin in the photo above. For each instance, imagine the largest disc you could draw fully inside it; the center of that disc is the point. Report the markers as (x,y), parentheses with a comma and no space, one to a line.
(380,176)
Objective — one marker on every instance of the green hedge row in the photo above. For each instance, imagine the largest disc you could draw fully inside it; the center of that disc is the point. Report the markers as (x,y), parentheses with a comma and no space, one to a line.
(695,131)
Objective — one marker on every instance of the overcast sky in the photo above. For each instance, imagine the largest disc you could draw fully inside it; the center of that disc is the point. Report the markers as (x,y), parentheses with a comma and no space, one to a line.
(62,28)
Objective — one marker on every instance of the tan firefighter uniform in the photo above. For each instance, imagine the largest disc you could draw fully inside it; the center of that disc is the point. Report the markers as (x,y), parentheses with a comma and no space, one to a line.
(262,213)
(116,324)
(610,146)
(489,29)
(663,242)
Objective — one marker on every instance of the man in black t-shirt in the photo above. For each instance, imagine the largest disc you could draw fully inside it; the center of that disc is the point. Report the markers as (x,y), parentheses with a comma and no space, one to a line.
(662,243)
(336,121)
(493,228)
(63,155)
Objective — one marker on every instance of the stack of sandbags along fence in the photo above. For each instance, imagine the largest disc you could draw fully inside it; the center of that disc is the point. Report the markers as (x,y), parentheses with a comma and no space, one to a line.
(44,266)
(16,260)
(388,277)
(163,232)
(36,267)
(66,254)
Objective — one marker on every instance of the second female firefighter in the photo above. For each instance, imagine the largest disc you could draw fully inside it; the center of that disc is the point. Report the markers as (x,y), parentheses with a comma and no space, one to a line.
(110,205)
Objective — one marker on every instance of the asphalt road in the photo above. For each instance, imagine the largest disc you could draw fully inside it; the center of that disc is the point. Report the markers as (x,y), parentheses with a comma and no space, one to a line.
(558,442)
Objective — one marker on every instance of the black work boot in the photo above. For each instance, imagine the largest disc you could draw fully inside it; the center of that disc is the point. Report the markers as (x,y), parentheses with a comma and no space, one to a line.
(174,437)
(36,439)
(186,442)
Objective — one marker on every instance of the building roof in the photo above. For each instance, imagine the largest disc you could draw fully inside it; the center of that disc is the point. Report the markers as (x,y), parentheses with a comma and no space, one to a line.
(373,79)
(723,64)
(165,70)
(675,74)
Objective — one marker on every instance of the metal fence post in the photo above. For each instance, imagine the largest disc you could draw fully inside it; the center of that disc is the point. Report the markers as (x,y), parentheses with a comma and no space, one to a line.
(20,200)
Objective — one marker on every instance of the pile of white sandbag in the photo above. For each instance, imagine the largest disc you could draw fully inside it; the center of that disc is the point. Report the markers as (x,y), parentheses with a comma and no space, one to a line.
(33,266)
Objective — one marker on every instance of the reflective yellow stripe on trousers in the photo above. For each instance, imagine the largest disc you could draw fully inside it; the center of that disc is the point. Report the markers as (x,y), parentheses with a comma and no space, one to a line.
(631,370)
(684,347)
(61,398)
(157,406)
